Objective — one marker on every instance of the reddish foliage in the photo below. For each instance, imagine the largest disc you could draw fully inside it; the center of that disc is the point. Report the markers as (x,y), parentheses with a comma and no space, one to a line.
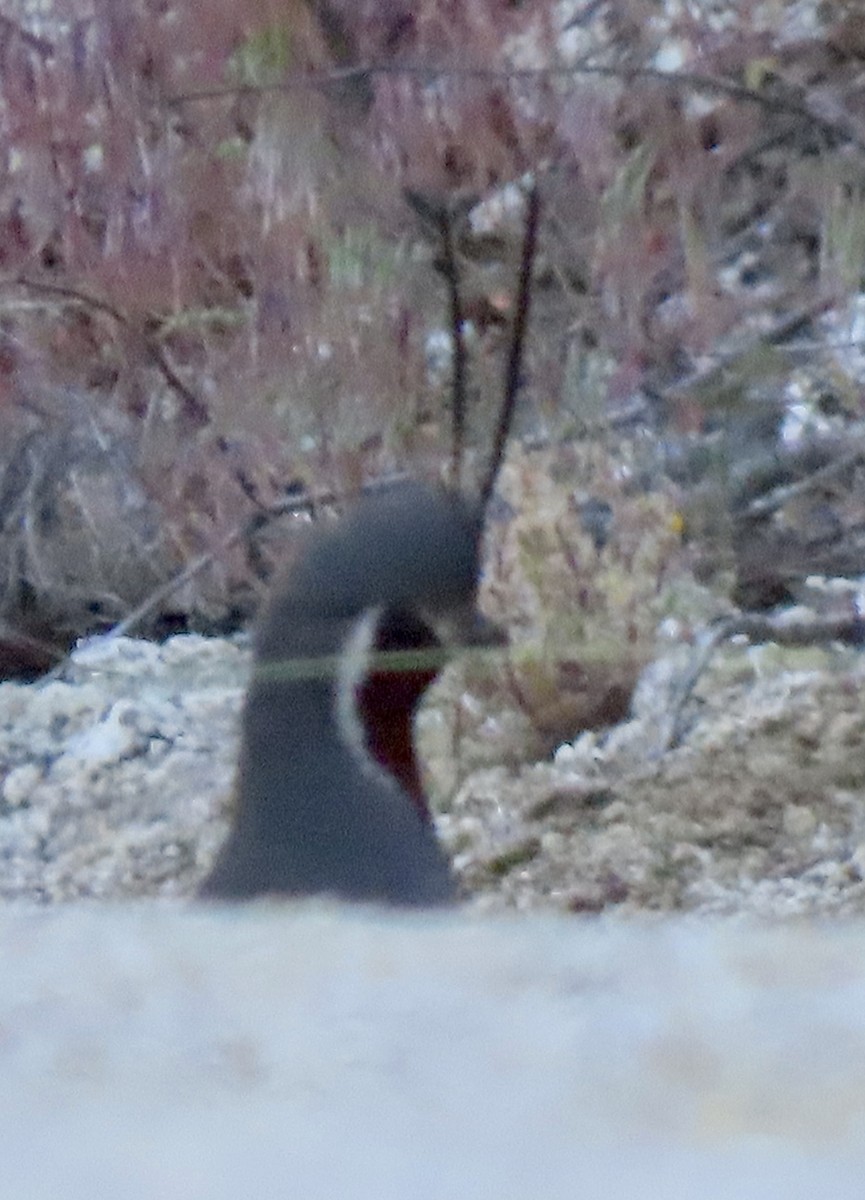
(202,229)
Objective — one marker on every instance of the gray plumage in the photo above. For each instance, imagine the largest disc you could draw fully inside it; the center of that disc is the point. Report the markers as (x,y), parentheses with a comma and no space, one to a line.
(315,811)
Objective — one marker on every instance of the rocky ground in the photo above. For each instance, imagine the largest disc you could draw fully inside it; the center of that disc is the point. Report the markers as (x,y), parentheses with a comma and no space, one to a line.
(116,784)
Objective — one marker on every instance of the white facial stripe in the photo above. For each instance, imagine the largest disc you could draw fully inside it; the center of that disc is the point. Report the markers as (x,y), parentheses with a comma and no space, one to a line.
(353,666)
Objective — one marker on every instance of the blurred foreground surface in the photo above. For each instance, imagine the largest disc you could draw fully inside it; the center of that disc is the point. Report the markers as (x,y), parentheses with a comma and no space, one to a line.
(155,1050)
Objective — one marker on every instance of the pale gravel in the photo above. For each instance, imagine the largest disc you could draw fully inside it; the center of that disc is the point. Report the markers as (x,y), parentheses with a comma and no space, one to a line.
(117,782)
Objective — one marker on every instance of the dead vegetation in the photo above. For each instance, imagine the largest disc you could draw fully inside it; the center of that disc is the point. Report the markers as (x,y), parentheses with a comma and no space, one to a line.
(218,281)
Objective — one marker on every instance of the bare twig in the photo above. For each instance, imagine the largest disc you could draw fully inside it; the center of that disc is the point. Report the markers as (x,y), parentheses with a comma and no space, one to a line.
(308,502)
(13,29)
(513,376)
(771,101)
(458,344)
(763,506)
(848,629)
(193,406)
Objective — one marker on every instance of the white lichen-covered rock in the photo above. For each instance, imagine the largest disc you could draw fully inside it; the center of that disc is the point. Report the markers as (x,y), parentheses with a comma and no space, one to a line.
(113,779)
(115,782)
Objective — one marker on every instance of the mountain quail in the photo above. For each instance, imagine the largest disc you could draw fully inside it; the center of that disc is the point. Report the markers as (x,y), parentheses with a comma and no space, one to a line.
(329,798)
